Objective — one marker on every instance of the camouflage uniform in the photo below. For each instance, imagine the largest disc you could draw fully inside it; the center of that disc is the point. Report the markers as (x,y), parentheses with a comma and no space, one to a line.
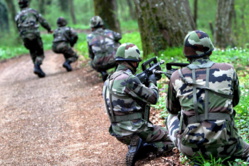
(126,100)
(64,39)
(27,23)
(200,101)
(102,46)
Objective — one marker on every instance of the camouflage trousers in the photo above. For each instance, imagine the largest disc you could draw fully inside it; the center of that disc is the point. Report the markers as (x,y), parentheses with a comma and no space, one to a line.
(103,62)
(65,49)
(34,44)
(218,138)
(149,133)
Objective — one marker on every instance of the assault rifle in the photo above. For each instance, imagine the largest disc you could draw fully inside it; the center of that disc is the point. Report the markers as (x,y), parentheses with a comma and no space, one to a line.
(150,67)
(170,68)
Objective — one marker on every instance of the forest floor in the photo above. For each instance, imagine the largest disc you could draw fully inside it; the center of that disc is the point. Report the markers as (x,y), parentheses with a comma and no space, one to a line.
(60,119)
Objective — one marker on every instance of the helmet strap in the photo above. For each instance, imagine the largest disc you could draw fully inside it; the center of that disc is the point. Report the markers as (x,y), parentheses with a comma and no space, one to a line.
(132,66)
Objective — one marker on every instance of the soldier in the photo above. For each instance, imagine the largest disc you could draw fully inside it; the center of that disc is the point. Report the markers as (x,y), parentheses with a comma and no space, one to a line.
(127,100)
(102,46)
(200,101)
(27,21)
(64,39)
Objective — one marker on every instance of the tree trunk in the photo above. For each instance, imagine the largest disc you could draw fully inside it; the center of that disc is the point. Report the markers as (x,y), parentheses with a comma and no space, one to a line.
(195,12)
(223,31)
(71,4)
(12,9)
(42,6)
(4,21)
(107,10)
(188,13)
(64,4)
(162,24)
(131,9)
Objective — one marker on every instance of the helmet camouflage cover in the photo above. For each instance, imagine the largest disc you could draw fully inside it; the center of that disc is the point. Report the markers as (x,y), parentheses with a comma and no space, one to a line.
(23,3)
(96,21)
(197,44)
(61,21)
(128,52)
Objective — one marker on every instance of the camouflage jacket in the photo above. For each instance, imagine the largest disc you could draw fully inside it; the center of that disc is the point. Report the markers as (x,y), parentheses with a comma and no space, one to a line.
(124,95)
(128,93)
(65,34)
(223,81)
(27,21)
(206,104)
(102,45)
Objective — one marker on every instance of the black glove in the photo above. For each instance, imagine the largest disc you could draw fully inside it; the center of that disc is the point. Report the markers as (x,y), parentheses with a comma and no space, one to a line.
(152,79)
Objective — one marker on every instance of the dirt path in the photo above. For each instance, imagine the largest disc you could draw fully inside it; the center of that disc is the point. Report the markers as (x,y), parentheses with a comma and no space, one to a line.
(56,120)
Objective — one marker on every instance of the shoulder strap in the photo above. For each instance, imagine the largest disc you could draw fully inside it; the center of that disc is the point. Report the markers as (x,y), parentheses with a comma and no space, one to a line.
(204,87)
(207,90)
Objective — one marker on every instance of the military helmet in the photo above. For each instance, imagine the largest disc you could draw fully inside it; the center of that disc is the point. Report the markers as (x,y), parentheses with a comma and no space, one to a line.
(197,44)
(23,3)
(61,22)
(128,52)
(96,21)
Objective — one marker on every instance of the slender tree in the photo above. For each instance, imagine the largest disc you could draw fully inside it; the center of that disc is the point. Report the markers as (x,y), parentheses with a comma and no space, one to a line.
(195,11)
(71,5)
(12,9)
(162,23)
(64,4)
(107,10)
(131,9)
(42,4)
(223,24)
(4,21)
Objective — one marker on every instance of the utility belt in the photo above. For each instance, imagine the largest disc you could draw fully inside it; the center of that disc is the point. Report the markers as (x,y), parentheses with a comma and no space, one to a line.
(127,117)
(211,116)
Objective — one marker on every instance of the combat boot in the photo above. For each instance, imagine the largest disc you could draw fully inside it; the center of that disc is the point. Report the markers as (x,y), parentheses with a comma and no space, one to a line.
(38,71)
(133,149)
(104,75)
(67,65)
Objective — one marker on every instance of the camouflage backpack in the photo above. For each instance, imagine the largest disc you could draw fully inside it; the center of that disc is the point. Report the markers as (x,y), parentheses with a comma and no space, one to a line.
(206,131)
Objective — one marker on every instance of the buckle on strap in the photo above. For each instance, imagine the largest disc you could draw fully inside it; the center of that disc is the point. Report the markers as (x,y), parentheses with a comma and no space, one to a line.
(211,116)
(128,117)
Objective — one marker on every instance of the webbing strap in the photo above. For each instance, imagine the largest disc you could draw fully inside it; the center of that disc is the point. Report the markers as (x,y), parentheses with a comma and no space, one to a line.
(109,85)
(206,94)
(211,116)
(128,117)
(195,96)
(204,87)
(109,111)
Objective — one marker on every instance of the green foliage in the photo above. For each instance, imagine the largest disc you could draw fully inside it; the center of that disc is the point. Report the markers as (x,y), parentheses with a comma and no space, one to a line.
(81,46)
(132,37)
(200,160)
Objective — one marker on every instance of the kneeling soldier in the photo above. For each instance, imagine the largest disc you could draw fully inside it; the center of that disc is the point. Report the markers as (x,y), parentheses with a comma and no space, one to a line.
(127,100)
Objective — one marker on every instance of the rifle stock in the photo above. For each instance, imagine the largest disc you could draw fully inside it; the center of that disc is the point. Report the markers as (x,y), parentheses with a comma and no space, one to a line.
(171,68)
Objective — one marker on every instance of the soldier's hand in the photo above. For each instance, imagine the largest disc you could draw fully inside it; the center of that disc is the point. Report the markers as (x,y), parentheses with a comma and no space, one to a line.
(152,79)
(50,31)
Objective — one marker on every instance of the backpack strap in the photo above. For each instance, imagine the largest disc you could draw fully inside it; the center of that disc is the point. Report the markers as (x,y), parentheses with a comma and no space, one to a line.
(206,116)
